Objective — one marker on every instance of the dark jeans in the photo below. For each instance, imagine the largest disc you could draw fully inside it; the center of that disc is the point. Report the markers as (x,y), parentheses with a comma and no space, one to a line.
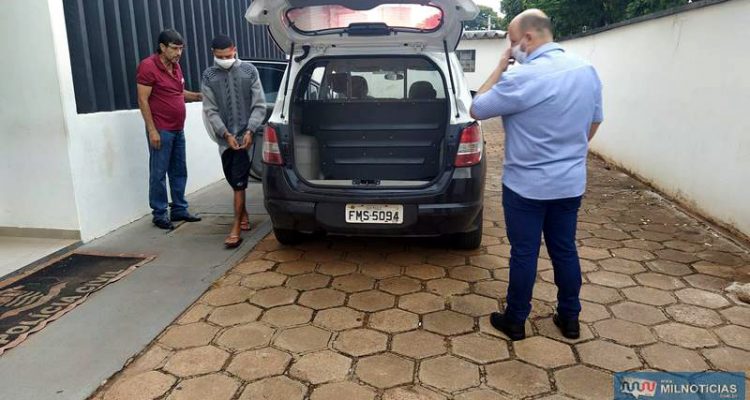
(526,220)
(169,160)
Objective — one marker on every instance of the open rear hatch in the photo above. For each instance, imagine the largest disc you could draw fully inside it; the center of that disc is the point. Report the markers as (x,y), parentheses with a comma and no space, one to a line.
(363,22)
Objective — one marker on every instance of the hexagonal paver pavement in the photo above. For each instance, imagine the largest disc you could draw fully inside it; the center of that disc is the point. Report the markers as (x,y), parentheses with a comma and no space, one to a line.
(480,349)
(275,388)
(371,301)
(287,316)
(343,390)
(196,361)
(385,370)
(585,383)
(248,336)
(257,364)
(394,321)
(544,352)
(419,344)
(448,373)
(214,386)
(339,319)
(367,318)
(302,339)
(361,342)
(448,323)
(517,379)
(321,367)
(608,355)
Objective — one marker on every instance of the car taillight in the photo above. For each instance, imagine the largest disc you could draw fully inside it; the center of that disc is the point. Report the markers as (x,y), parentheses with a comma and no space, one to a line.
(471,146)
(271,151)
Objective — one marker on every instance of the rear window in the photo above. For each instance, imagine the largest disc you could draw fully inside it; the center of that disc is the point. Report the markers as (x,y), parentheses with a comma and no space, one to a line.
(367,79)
(317,19)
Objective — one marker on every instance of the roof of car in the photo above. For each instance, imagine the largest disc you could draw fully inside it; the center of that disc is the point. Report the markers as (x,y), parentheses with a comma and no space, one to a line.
(477,35)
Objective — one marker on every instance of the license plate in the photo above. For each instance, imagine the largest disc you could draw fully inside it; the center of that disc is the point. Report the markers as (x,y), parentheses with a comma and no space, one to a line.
(374,214)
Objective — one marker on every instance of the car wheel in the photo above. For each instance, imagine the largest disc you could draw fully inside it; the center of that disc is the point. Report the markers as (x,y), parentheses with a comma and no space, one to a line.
(469,240)
(287,236)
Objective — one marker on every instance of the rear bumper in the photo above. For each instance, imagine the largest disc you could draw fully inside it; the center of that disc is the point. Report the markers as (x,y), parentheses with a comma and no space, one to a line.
(427,212)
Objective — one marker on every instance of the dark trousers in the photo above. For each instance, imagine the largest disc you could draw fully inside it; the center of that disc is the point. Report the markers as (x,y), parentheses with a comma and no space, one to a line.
(170,160)
(526,220)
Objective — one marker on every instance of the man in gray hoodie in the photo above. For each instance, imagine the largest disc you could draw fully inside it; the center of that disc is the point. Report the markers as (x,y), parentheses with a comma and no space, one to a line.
(234,106)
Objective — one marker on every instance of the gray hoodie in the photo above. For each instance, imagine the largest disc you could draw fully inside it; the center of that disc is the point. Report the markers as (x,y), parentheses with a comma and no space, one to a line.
(233,101)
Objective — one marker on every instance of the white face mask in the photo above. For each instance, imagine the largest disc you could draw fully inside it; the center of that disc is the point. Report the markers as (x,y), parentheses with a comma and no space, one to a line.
(519,55)
(226,64)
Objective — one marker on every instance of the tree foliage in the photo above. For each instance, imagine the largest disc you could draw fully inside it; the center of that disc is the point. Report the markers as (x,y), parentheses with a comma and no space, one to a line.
(570,17)
(480,22)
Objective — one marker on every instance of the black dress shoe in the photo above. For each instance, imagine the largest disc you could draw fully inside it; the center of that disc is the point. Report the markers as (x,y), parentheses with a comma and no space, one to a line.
(163,224)
(569,327)
(187,218)
(513,331)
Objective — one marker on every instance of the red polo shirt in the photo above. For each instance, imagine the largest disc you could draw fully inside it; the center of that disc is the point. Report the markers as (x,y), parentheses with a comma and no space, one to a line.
(167,100)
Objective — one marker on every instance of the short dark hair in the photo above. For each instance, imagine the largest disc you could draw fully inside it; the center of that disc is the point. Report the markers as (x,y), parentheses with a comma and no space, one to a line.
(169,36)
(222,42)
(538,23)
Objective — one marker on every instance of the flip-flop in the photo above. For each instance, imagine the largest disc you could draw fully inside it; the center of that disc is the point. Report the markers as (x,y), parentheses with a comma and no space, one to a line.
(245,225)
(233,244)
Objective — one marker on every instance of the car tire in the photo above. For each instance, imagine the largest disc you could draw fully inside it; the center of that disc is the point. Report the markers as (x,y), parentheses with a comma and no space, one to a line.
(469,240)
(288,237)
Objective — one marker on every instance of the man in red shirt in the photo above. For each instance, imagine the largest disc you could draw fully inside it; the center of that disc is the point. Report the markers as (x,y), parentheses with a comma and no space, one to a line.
(161,98)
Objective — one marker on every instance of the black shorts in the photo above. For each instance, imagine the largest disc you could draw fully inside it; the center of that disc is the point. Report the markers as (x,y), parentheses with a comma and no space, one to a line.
(236,165)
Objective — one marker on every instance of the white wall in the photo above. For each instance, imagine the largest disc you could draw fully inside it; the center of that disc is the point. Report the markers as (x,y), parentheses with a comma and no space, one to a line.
(677,105)
(36,188)
(488,52)
(109,153)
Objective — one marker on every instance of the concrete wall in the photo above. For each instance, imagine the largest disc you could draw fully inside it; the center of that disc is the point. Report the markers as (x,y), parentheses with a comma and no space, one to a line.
(488,55)
(677,101)
(109,153)
(36,187)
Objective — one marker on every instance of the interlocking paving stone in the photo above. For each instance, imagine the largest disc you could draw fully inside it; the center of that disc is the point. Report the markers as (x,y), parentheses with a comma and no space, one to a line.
(672,358)
(247,336)
(624,332)
(234,314)
(585,383)
(694,315)
(361,342)
(385,370)
(480,349)
(418,344)
(400,320)
(339,319)
(191,335)
(196,361)
(321,367)
(343,390)
(257,364)
(276,388)
(544,352)
(608,355)
(517,379)
(302,339)
(449,373)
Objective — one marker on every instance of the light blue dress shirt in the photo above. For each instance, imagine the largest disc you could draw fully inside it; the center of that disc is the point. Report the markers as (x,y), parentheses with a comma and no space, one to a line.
(548,105)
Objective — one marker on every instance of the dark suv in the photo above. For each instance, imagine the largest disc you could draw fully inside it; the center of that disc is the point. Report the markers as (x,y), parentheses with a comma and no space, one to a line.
(371,134)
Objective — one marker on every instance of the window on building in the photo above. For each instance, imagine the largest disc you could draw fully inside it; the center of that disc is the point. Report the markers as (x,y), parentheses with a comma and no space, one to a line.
(468,59)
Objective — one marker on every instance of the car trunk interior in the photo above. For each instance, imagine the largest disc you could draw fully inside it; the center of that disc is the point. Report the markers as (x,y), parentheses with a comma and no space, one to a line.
(370,122)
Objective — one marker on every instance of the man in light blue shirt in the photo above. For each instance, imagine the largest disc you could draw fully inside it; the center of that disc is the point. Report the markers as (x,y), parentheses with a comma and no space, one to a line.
(551,104)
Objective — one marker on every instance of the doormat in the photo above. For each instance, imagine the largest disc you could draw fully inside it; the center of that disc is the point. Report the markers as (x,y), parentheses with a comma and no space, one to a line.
(28,304)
